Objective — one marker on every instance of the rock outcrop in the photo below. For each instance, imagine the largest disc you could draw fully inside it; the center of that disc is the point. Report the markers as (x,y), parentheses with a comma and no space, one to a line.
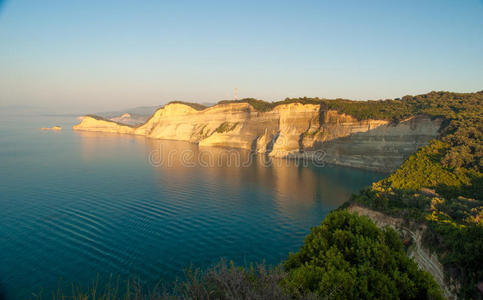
(292,130)
(54,128)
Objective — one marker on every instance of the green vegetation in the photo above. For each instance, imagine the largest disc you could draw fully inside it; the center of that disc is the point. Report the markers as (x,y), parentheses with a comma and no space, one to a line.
(194,105)
(441,185)
(226,127)
(349,257)
(435,104)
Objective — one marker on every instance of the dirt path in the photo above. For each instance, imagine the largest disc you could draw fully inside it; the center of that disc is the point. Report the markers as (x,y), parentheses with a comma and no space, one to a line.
(424,259)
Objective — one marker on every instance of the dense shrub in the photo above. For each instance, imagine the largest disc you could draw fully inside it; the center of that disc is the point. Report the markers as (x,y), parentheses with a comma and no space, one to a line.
(349,257)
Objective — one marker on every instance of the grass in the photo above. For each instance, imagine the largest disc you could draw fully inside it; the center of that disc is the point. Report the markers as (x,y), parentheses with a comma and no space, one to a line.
(226,127)
(222,281)
(194,105)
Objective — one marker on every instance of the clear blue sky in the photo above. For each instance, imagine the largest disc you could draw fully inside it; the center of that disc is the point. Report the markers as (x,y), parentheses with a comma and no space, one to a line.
(100,55)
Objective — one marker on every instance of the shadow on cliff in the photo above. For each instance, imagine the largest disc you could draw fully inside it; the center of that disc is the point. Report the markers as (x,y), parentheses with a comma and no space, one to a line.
(381,148)
(474,190)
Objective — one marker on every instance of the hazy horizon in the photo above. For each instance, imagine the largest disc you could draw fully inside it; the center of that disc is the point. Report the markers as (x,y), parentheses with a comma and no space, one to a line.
(92,57)
(126,106)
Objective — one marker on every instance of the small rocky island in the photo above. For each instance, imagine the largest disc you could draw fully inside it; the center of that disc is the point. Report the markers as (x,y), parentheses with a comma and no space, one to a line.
(55,128)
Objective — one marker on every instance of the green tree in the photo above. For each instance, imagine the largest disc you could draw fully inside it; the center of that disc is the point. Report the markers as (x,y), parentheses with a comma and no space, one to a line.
(349,257)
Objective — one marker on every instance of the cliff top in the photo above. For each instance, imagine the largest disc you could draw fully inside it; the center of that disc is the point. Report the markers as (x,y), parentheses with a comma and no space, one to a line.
(435,104)
(99,118)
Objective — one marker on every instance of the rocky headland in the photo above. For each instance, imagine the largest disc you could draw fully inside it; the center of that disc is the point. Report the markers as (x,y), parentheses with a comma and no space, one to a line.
(290,130)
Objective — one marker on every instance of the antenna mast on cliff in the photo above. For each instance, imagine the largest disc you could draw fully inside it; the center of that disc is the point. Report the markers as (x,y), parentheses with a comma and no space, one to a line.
(236,95)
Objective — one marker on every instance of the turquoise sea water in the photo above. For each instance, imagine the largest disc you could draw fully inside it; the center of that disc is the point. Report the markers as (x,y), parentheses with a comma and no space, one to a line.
(75,205)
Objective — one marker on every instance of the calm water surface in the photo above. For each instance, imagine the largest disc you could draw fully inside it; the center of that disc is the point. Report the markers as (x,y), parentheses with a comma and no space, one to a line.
(74,205)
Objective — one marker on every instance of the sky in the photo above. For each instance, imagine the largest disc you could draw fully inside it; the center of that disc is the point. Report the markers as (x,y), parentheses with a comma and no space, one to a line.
(105,55)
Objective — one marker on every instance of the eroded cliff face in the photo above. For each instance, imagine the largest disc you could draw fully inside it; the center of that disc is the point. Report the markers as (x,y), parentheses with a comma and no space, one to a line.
(370,144)
(289,130)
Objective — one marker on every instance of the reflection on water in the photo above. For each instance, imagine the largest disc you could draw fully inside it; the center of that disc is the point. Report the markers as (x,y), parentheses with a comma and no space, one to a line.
(78,204)
(292,184)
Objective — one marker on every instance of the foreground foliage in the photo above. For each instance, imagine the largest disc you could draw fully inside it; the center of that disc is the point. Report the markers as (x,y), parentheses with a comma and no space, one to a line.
(223,281)
(348,257)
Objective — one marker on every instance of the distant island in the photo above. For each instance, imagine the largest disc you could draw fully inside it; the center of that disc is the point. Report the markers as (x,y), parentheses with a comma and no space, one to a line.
(55,128)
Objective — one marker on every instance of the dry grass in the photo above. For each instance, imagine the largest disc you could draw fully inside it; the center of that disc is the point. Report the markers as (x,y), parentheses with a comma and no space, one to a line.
(223,281)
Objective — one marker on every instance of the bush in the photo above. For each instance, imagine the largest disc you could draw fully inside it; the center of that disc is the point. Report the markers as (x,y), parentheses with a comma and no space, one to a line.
(348,257)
